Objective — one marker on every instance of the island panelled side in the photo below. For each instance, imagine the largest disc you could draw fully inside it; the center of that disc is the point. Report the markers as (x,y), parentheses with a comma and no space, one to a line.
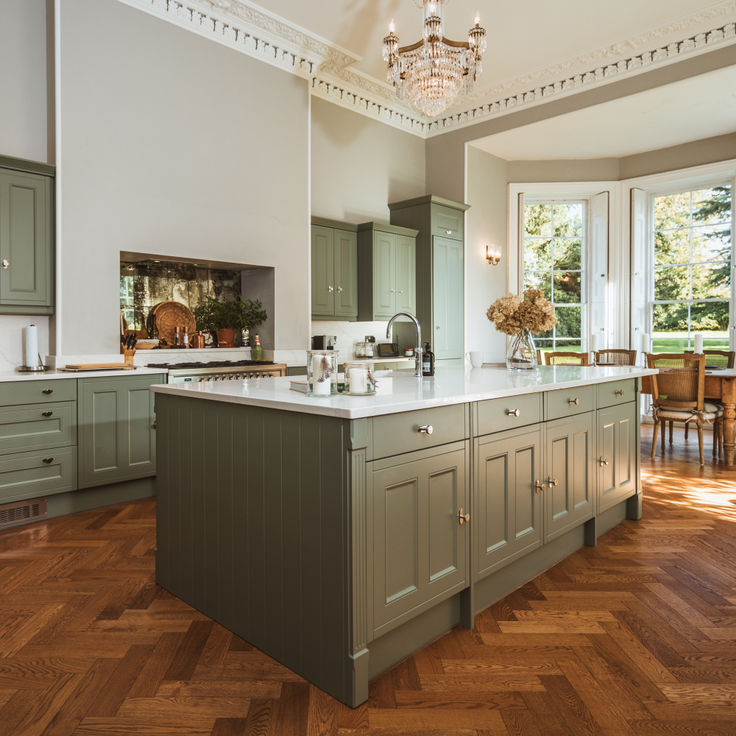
(341,546)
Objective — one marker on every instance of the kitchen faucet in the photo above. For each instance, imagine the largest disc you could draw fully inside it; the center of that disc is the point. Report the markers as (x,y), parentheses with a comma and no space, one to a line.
(418,348)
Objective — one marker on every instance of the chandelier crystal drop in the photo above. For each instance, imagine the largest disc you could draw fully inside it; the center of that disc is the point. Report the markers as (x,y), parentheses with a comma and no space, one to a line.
(431,73)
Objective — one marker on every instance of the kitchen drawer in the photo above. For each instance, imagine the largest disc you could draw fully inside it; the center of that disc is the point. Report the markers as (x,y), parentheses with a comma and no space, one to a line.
(397,433)
(616,392)
(37,426)
(41,473)
(568,401)
(37,391)
(447,222)
(496,415)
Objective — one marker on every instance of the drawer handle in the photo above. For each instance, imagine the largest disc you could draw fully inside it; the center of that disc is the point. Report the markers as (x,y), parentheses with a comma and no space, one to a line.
(463,517)
(538,486)
(513,413)
(573,402)
(425,429)
(602,462)
(618,392)
(47,391)
(48,460)
(552,481)
(46,413)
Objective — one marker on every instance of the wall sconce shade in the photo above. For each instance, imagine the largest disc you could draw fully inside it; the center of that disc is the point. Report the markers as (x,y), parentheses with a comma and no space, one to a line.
(493,256)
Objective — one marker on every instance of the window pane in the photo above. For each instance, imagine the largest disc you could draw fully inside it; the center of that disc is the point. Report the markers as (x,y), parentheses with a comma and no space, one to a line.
(712,280)
(712,206)
(539,281)
(669,318)
(567,287)
(672,282)
(709,317)
(672,210)
(537,220)
(671,246)
(711,243)
(567,254)
(569,322)
(537,254)
(568,220)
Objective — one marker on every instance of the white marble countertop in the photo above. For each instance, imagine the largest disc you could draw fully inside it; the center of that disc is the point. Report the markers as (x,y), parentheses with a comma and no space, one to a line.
(401,391)
(54,374)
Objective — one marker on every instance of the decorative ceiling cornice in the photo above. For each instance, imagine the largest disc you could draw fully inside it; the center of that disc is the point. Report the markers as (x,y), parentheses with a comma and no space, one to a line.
(251,30)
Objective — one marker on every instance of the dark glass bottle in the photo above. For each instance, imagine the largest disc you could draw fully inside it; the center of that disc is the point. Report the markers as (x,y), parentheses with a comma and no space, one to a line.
(427,361)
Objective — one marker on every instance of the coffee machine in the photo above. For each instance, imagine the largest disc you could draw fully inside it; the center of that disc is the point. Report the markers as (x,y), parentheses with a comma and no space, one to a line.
(324,342)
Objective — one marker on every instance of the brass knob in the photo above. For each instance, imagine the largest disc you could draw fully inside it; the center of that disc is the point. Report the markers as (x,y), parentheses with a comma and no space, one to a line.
(449,232)
(538,486)
(602,461)
(330,289)
(48,460)
(552,481)
(46,413)
(573,402)
(463,517)
(513,413)
(48,391)
(425,429)
(618,392)
(6,264)
(339,289)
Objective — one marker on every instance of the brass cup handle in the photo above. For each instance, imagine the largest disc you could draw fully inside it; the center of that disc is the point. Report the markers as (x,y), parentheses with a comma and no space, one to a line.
(552,481)
(539,486)
(48,460)
(618,392)
(46,413)
(425,429)
(47,391)
(463,517)
(573,402)
(513,413)
(602,461)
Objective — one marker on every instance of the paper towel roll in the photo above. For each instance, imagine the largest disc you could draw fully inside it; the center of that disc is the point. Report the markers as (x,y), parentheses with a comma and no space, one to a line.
(30,347)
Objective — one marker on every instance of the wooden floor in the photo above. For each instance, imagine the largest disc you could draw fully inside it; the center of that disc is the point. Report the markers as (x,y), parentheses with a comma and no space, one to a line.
(634,636)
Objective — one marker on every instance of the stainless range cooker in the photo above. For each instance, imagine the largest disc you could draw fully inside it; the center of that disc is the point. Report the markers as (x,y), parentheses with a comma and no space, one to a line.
(224,370)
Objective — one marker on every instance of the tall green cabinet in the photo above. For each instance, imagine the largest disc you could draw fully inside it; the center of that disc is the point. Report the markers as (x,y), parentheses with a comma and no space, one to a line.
(26,237)
(334,270)
(440,268)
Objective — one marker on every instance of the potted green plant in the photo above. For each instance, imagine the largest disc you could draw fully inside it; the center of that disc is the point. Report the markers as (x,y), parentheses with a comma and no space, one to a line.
(225,319)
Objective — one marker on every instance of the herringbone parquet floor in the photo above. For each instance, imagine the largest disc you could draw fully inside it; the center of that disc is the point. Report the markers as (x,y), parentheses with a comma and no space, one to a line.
(635,636)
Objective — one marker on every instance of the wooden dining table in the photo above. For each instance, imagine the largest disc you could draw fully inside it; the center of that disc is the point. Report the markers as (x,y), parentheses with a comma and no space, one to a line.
(720,384)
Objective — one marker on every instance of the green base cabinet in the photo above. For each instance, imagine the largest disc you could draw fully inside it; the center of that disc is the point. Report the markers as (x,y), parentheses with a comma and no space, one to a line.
(26,242)
(116,432)
(386,268)
(617,454)
(334,270)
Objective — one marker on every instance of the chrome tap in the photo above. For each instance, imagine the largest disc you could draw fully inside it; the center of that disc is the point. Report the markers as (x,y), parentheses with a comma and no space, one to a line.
(418,349)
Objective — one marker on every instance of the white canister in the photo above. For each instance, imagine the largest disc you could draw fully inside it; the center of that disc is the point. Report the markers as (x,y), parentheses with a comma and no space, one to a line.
(359,379)
(321,372)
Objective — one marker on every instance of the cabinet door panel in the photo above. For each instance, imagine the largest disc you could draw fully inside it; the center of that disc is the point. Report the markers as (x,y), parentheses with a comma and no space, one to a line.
(406,275)
(526,518)
(384,275)
(445,490)
(346,274)
(448,298)
(401,553)
(616,454)
(323,295)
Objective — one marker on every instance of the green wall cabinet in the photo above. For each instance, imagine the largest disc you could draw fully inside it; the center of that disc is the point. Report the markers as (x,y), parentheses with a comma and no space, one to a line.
(439,269)
(419,546)
(386,270)
(507,506)
(116,432)
(617,454)
(26,242)
(334,270)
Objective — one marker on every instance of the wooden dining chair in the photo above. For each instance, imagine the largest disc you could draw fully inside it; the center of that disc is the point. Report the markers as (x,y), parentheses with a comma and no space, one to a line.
(618,356)
(566,358)
(719,358)
(678,392)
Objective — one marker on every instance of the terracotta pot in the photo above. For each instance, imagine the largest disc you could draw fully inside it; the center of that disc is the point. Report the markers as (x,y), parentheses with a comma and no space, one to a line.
(226,338)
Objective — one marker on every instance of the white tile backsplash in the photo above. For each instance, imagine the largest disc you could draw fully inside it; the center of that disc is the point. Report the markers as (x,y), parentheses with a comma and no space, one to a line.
(348,333)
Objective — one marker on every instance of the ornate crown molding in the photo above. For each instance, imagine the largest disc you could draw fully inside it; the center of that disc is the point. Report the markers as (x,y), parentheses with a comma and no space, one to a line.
(251,30)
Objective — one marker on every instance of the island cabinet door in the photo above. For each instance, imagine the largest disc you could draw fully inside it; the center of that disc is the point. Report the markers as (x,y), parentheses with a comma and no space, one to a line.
(507,503)
(570,474)
(616,454)
(420,549)
(116,433)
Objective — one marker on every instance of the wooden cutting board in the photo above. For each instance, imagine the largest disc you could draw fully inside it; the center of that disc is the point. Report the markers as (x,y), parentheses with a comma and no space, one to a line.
(98,367)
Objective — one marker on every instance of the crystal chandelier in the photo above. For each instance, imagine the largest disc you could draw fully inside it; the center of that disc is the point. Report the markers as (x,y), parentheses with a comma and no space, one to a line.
(432,72)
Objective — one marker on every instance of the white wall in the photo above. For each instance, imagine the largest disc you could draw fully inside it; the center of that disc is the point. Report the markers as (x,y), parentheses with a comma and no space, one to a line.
(174,145)
(486,193)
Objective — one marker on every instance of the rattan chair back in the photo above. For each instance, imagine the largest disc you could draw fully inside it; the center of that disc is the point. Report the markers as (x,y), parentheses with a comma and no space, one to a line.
(566,358)
(618,356)
(719,358)
(680,383)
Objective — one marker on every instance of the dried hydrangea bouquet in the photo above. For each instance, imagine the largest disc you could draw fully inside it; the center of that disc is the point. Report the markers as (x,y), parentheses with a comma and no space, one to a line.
(519,318)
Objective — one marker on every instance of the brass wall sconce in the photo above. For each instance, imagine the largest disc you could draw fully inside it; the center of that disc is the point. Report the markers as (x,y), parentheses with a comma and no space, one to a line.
(493,256)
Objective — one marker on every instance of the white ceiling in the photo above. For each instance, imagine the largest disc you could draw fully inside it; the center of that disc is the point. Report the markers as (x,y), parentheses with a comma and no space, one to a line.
(699,107)
(525,39)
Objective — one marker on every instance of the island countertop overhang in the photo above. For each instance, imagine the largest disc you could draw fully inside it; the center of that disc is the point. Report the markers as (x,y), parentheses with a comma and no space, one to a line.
(399,392)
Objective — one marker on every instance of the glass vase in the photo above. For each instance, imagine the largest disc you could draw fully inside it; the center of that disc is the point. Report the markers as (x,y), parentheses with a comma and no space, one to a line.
(521,354)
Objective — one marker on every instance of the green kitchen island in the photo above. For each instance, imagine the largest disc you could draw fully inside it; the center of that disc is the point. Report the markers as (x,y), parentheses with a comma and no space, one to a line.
(341,534)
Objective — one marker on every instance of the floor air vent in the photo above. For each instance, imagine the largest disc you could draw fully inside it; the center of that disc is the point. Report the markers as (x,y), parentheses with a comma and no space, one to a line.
(22,511)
